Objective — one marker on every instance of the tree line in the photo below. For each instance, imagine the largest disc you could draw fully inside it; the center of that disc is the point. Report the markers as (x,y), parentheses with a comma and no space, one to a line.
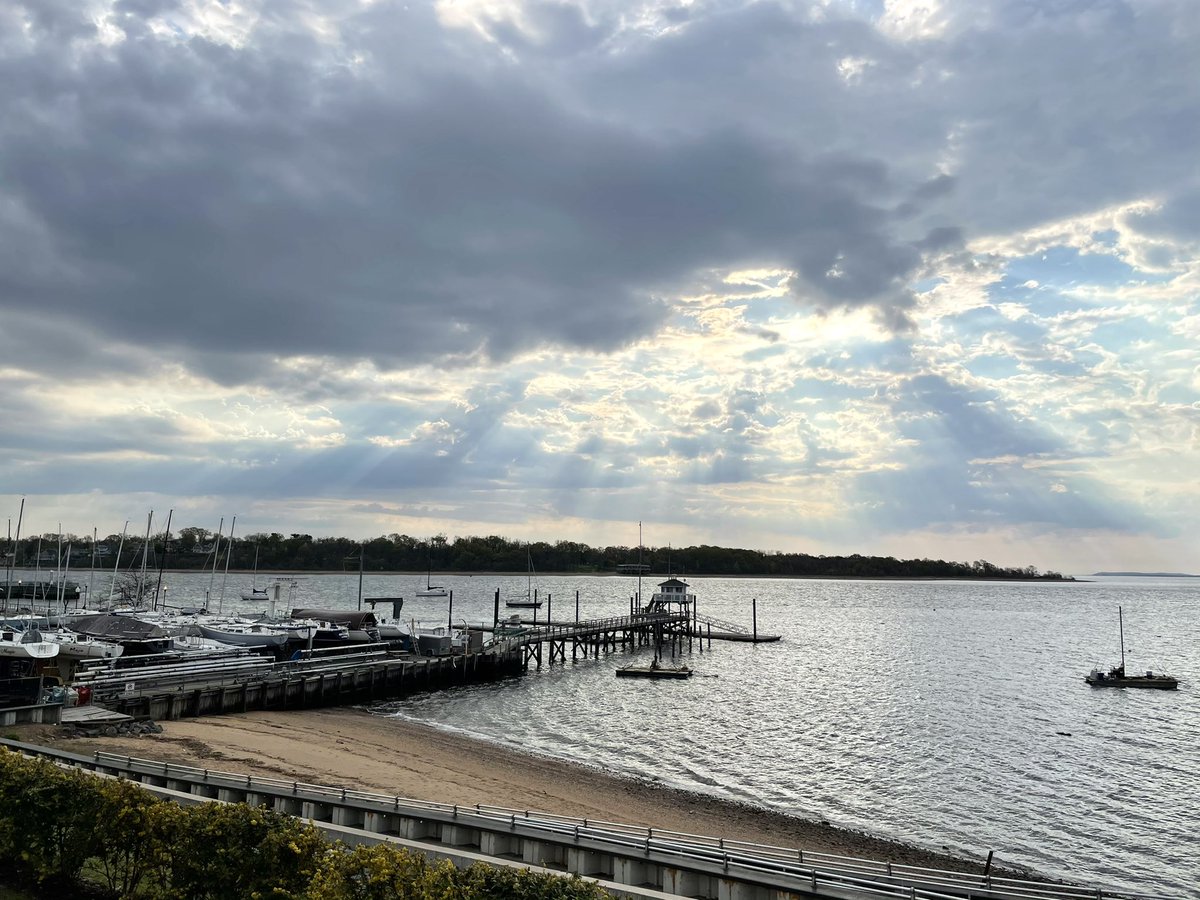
(199,549)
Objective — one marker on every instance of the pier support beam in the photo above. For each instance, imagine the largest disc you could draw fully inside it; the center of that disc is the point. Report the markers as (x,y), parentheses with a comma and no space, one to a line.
(588,862)
(539,853)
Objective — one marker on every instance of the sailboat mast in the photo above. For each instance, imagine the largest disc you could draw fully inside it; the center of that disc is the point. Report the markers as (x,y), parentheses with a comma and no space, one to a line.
(112,588)
(1121,626)
(13,547)
(228,553)
(361,548)
(639,590)
(163,563)
(216,553)
(141,578)
(92,569)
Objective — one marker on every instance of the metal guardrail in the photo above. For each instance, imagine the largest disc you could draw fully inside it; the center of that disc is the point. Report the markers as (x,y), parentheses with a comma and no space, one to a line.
(721,624)
(542,633)
(761,863)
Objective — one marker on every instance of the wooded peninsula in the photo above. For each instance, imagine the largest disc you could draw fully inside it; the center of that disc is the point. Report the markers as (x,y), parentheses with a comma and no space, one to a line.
(199,549)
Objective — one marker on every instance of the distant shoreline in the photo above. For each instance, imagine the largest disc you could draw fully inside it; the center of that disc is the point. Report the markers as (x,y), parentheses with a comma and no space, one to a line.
(272,574)
(1143,575)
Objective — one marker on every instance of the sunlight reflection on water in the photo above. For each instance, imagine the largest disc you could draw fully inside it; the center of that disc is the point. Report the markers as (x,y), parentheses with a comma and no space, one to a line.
(938,713)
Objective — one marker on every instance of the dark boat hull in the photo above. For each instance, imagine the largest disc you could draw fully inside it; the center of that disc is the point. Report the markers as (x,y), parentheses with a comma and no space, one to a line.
(1157,682)
(652,672)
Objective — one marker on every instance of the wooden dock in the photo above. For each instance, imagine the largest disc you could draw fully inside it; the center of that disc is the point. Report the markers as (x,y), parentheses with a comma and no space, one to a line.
(239,681)
(375,673)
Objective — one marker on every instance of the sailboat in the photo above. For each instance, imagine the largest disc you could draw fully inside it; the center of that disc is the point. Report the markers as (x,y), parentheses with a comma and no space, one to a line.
(1116,677)
(255,592)
(528,600)
(431,589)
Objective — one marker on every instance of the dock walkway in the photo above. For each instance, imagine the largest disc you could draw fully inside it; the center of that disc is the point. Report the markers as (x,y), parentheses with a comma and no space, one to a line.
(250,683)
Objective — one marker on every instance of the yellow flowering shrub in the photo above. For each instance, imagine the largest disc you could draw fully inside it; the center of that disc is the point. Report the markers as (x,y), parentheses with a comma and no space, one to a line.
(63,828)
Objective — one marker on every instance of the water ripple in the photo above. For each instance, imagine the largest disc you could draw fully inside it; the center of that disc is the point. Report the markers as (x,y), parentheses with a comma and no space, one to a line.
(940,713)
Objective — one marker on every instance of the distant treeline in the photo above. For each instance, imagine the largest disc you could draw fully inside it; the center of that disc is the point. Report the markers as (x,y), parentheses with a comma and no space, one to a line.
(198,548)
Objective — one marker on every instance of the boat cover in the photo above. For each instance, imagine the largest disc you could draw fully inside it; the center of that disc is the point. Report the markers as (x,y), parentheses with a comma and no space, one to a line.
(352,620)
(117,628)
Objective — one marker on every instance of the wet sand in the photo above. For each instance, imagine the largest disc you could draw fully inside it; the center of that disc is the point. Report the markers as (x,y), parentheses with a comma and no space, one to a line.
(354,749)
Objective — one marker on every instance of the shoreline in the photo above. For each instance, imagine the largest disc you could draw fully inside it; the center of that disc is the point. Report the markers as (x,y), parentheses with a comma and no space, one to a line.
(302,573)
(353,748)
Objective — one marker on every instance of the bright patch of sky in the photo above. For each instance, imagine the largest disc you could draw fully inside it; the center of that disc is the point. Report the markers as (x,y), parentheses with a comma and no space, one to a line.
(898,277)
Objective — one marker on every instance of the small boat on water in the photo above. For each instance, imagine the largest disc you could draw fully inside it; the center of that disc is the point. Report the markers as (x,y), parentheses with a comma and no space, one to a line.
(431,589)
(1116,676)
(255,592)
(528,600)
(655,670)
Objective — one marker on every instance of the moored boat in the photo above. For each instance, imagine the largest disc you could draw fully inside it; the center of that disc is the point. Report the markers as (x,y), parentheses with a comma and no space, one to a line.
(654,670)
(72,645)
(245,634)
(1117,677)
(26,644)
(528,600)
(431,589)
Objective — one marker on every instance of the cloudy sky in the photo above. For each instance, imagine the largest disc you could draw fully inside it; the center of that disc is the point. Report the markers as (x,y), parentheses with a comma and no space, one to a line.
(904,277)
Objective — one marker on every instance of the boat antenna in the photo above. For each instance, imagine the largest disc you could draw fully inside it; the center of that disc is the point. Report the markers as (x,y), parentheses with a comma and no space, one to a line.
(1121,627)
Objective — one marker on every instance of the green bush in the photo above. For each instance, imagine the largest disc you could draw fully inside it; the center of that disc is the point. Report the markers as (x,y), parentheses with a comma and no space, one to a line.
(233,850)
(65,828)
(386,872)
(50,819)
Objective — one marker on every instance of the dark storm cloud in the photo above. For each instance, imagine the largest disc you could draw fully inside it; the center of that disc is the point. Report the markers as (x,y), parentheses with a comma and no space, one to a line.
(198,198)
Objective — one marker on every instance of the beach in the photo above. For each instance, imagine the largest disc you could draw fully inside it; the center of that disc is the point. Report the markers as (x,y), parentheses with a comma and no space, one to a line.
(352,748)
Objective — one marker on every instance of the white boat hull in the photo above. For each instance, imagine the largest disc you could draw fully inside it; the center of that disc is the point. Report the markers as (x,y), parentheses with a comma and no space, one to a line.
(28,650)
(79,647)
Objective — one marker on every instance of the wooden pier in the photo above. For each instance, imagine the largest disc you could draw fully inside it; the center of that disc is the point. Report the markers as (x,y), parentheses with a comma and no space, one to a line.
(238,681)
(374,673)
(593,636)
(241,681)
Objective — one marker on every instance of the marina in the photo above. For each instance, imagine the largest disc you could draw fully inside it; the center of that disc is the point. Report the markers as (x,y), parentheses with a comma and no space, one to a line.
(862,666)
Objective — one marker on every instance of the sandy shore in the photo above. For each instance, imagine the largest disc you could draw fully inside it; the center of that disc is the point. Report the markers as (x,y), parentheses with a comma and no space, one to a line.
(352,748)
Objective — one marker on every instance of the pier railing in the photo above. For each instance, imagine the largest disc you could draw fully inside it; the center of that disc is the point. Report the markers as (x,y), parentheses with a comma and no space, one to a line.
(576,630)
(778,868)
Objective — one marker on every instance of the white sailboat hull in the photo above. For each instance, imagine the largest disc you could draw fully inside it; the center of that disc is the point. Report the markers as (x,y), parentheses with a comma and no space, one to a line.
(30,650)
(79,647)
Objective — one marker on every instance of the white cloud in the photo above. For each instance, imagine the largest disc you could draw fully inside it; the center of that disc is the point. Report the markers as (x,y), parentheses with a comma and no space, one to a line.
(922,272)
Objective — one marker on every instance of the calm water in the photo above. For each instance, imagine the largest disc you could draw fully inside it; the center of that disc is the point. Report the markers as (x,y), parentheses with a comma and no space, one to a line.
(940,714)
